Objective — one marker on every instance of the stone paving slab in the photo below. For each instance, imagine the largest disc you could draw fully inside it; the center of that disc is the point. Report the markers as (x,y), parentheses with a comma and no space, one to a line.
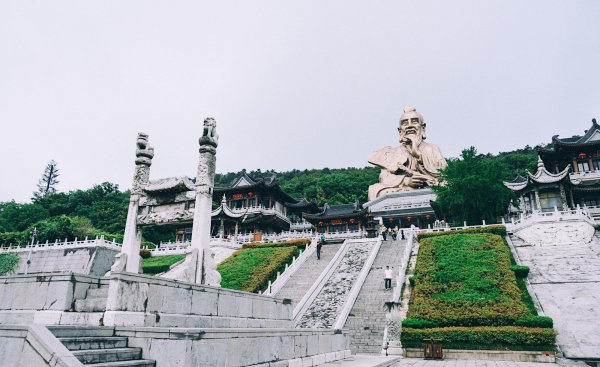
(381,361)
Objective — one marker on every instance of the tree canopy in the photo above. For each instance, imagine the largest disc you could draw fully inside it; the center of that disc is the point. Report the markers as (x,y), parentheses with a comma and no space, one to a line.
(472,188)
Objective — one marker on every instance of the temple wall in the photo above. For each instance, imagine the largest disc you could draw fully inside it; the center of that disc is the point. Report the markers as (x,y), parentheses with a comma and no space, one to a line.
(83,260)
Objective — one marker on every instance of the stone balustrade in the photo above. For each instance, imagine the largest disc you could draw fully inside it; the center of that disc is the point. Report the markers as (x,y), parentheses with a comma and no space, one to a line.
(66,244)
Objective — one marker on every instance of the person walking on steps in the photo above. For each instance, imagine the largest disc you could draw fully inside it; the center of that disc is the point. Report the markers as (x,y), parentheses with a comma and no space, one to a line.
(388,277)
(384,232)
(319,245)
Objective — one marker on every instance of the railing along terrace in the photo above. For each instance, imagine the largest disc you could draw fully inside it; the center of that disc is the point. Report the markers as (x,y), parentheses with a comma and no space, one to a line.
(98,241)
(551,216)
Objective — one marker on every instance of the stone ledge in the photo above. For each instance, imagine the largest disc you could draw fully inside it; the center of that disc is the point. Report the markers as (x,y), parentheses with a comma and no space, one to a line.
(490,355)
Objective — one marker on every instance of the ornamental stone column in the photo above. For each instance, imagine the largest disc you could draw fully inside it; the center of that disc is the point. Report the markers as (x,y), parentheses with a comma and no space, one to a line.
(205,268)
(131,239)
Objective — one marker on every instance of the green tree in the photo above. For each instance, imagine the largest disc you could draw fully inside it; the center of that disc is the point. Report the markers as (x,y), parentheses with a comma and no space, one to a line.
(47,184)
(473,189)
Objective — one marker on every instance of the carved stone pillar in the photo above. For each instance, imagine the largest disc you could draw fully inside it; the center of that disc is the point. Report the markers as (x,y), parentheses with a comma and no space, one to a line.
(206,272)
(131,239)
(563,197)
(537,199)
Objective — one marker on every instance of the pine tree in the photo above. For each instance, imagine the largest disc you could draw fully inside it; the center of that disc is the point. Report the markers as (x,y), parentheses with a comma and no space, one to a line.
(47,184)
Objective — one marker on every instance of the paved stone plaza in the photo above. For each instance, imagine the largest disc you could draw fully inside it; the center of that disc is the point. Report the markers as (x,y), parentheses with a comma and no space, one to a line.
(382,361)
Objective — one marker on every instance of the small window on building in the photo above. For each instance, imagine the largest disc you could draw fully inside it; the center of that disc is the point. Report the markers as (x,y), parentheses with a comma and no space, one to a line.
(353,227)
(583,166)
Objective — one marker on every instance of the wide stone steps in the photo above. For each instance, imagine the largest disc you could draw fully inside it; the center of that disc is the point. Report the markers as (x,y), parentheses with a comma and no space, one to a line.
(367,320)
(98,347)
(299,283)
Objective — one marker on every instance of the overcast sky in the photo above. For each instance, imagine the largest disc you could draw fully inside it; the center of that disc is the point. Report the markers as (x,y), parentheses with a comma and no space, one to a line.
(292,84)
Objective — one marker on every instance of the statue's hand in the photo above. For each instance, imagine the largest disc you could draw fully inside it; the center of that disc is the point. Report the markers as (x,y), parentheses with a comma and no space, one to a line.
(417,180)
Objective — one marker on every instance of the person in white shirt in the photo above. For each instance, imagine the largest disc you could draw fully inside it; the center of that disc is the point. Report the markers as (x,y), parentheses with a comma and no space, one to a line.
(388,277)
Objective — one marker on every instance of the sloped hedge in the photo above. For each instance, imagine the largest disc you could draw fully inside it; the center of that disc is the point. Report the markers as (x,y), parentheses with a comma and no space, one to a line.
(8,263)
(300,243)
(466,296)
(483,337)
(159,264)
(499,230)
(251,268)
(466,280)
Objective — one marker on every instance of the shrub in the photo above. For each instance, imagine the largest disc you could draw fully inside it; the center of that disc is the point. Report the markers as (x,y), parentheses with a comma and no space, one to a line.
(13,238)
(412,280)
(300,243)
(483,337)
(160,264)
(8,263)
(418,324)
(466,280)
(499,230)
(250,269)
(520,271)
(535,321)
(145,254)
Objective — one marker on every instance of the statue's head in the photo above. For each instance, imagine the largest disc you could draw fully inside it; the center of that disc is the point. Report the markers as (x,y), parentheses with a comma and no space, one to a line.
(412,126)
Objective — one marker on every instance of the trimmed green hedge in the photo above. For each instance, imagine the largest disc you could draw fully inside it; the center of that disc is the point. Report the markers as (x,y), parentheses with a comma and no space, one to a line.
(8,263)
(521,271)
(536,321)
(250,269)
(297,243)
(159,264)
(466,280)
(418,323)
(483,337)
(499,230)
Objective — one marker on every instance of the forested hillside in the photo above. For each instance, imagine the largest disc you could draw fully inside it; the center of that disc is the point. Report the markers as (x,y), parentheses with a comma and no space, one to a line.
(102,209)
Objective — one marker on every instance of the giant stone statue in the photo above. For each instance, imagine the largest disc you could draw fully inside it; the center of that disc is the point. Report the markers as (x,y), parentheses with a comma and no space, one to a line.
(412,165)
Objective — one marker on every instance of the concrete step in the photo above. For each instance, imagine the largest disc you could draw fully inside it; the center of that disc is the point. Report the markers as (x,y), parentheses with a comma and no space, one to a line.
(138,363)
(90,305)
(62,331)
(96,293)
(94,342)
(89,356)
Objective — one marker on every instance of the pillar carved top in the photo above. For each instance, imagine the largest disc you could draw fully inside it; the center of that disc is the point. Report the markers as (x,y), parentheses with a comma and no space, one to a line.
(143,160)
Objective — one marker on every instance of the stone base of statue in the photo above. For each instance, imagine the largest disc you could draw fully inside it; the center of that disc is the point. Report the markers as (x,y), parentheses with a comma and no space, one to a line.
(187,269)
(404,208)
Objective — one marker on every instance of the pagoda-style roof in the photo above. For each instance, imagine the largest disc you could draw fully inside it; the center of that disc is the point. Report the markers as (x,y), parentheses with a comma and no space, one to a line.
(591,136)
(169,185)
(245,182)
(337,212)
(224,211)
(541,176)
(304,206)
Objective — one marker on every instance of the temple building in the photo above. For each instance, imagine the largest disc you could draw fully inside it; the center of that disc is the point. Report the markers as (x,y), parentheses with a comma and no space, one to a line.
(248,207)
(568,175)
(339,218)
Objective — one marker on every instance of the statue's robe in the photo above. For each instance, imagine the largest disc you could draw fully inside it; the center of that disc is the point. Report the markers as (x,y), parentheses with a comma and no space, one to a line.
(395,162)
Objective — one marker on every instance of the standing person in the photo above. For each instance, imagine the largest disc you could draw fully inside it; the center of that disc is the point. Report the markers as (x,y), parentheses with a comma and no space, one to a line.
(395,233)
(388,277)
(384,232)
(402,234)
(319,245)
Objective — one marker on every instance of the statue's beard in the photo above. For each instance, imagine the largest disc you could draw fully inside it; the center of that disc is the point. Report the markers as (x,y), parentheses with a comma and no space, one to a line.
(412,140)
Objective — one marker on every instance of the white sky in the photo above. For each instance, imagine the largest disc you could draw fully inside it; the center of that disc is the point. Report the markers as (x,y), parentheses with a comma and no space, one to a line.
(292,84)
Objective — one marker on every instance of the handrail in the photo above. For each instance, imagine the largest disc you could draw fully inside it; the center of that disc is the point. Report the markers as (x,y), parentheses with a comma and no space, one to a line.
(340,321)
(316,287)
(551,216)
(297,262)
(98,241)
(401,276)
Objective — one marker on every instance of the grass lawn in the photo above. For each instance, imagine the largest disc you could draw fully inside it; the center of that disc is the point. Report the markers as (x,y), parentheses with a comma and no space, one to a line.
(250,269)
(465,293)
(159,264)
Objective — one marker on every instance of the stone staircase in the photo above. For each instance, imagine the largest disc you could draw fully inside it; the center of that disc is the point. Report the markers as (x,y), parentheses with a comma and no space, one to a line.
(367,320)
(99,347)
(94,301)
(299,283)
